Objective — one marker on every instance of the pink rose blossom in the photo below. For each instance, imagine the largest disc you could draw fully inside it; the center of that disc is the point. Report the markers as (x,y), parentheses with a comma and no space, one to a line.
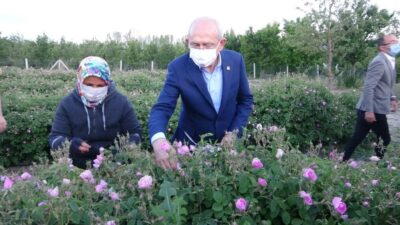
(262,182)
(273,129)
(87,177)
(101,186)
(178,144)
(365,203)
(347,184)
(398,195)
(306,197)
(192,148)
(8,183)
(354,164)
(310,174)
(375,182)
(42,203)
(68,194)
(241,204)
(339,205)
(111,222)
(114,196)
(256,163)
(26,176)
(183,150)
(145,182)
(66,181)
(53,192)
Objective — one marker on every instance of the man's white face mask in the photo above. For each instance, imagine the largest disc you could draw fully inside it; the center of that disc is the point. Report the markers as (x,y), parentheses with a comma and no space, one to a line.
(203,57)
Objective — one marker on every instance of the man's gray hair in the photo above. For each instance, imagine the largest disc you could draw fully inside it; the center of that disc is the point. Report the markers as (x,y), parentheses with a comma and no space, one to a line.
(207,19)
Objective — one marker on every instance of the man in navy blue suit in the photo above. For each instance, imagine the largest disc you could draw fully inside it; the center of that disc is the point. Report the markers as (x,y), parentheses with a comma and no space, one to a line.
(214,91)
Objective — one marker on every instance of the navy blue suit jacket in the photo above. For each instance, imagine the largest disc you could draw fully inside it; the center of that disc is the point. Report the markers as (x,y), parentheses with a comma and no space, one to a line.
(198,116)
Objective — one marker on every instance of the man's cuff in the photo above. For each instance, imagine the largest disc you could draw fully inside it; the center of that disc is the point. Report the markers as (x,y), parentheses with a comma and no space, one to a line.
(157,136)
(393,98)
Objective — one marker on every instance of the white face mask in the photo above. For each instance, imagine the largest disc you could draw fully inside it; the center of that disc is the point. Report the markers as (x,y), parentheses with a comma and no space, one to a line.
(203,57)
(92,95)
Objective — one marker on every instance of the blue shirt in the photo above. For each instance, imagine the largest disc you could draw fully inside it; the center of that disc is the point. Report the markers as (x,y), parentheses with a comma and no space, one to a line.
(214,84)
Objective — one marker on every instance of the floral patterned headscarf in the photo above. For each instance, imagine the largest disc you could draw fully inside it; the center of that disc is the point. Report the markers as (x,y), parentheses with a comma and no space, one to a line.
(93,66)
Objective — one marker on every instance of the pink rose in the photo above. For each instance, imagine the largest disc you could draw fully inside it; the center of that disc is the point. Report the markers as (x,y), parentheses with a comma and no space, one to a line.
(339,205)
(145,182)
(53,192)
(114,196)
(310,174)
(111,222)
(87,177)
(68,194)
(183,150)
(354,164)
(101,186)
(26,176)
(306,197)
(241,204)
(256,163)
(262,182)
(8,183)
(375,182)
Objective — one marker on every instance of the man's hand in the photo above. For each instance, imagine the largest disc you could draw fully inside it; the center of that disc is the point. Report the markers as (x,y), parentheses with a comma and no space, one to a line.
(393,106)
(370,117)
(3,124)
(165,154)
(228,140)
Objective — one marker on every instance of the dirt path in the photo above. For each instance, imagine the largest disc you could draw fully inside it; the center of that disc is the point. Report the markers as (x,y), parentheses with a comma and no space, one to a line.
(394,126)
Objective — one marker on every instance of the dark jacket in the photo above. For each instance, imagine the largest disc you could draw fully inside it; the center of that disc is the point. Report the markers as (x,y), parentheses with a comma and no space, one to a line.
(98,126)
(198,116)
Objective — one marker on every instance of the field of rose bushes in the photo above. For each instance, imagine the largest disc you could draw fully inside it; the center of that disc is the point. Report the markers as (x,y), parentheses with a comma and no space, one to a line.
(285,170)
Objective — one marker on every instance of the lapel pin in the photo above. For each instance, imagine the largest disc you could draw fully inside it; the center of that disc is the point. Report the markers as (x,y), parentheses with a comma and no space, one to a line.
(228,68)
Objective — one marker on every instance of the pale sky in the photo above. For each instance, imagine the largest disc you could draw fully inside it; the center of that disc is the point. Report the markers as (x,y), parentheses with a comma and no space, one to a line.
(78,20)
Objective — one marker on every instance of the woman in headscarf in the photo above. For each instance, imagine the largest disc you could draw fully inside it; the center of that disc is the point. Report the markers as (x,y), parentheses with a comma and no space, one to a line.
(93,115)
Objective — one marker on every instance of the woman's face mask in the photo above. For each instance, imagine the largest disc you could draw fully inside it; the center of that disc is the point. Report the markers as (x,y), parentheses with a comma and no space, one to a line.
(94,95)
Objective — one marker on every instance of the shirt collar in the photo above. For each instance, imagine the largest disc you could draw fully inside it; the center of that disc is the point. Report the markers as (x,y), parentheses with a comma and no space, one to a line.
(217,66)
(391,59)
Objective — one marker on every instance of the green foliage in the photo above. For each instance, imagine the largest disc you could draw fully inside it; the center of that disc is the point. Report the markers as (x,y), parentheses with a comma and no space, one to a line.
(205,188)
(308,111)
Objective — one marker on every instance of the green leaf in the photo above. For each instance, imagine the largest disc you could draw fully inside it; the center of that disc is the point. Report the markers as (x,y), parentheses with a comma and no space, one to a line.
(167,189)
(38,214)
(217,207)
(285,217)
(244,183)
(72,205)
(274,207)
(297,221)
(218,197)
(76,217)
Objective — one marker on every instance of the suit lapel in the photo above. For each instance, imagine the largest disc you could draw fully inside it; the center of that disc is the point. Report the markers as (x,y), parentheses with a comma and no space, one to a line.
(227,73)
(197,77)
(390,69)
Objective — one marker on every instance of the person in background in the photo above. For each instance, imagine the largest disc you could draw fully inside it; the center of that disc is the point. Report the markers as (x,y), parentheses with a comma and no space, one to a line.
(93,115)
(378,98)
(3,122)
(214,92)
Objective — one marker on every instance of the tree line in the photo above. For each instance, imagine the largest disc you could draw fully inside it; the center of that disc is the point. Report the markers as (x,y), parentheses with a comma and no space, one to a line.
(336,35)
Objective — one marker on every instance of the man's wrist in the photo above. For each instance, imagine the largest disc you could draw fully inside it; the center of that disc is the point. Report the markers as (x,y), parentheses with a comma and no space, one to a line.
(157,136)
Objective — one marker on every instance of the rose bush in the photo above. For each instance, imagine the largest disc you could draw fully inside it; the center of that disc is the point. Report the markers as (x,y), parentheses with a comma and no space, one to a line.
(213,185)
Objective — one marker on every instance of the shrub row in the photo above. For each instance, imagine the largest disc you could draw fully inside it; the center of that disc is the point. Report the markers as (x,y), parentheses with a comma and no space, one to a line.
(308,111)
